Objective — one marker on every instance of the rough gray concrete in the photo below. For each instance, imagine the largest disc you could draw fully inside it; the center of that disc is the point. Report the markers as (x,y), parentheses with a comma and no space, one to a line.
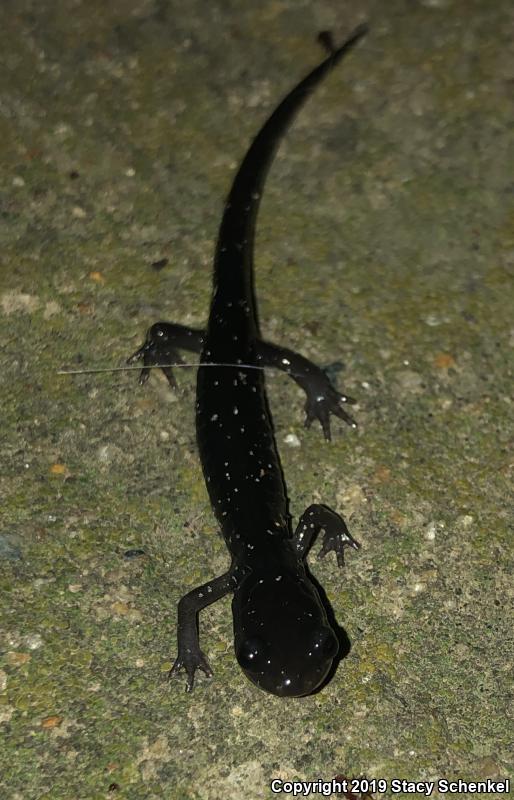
(386,242)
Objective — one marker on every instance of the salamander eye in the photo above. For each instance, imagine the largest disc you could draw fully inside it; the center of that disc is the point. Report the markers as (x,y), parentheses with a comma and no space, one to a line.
(251,654)
(325,643)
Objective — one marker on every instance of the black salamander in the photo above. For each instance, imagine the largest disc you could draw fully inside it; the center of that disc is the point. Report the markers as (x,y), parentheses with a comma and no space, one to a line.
(283,640)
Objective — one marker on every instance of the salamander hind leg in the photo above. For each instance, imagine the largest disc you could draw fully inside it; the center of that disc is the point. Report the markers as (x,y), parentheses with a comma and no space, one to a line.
(163,340)
(336,534)
(322,399)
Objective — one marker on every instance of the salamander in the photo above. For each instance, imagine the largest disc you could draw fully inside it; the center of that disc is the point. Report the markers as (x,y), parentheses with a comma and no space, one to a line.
(283,639)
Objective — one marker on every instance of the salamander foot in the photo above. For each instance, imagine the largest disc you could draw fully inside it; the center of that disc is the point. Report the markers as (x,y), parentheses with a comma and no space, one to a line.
(156,350)
(336,534)
(322,401)
(190,661)
(335,539)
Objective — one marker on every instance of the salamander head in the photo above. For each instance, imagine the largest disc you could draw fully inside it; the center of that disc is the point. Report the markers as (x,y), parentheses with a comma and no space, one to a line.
(283,640)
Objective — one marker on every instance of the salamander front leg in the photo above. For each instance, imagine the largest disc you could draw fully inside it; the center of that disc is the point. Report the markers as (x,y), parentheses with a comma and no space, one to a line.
(190,657)
(336,536)
(322,398)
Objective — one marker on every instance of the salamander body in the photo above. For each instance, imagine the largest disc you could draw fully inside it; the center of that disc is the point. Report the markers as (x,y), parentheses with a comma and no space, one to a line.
(282,636)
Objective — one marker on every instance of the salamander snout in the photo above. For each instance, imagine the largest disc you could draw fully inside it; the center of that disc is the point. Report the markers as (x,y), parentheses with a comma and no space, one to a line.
(283,640)
(311,670)
(293,664)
